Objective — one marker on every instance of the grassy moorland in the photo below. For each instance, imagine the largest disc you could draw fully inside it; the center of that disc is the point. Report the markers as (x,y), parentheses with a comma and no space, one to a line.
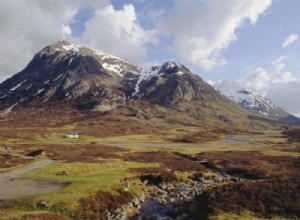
(93,169)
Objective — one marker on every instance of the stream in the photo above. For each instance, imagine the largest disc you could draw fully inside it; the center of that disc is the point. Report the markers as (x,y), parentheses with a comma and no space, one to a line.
(160,202)
(163,204)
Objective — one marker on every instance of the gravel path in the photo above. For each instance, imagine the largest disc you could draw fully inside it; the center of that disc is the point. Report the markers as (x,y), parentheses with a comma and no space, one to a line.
(14,185)
(8,176)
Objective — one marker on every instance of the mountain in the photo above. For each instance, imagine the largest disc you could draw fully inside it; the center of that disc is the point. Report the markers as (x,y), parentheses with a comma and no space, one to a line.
(261,105)
(66,71)
(69,79)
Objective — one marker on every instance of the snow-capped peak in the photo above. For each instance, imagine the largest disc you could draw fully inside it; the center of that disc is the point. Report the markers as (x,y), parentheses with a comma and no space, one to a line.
(256,103)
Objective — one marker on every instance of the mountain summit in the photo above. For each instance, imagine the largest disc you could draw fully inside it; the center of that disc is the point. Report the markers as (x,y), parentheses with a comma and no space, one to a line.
(66,71)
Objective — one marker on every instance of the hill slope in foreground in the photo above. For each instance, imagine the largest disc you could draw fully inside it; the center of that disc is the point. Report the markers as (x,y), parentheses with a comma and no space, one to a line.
(153,143)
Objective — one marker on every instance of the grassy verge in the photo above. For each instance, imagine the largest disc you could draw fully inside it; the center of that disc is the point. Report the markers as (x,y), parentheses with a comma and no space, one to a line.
(85,179)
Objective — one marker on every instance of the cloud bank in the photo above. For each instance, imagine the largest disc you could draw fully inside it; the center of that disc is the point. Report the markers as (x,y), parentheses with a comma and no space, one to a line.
(202,29)
(28,26)
(118,33)
(198,31)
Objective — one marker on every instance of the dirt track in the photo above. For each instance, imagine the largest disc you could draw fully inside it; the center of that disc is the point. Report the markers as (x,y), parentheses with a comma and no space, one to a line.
(13,185)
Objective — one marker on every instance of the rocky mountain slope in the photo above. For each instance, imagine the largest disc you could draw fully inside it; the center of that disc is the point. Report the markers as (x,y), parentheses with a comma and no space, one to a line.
(67,75)
(259,104)
(66,71)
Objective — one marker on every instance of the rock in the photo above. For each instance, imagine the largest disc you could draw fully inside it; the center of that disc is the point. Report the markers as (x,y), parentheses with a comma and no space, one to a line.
(185,216)
(123,215)
(163,186)
(233,179)
(173,195)
(156,216)
(136,202)
(175,210)
(42,205)
(62,173)
(163,202)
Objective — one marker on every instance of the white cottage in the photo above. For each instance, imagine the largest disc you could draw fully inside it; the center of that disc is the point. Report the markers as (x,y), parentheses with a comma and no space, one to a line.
(72,135)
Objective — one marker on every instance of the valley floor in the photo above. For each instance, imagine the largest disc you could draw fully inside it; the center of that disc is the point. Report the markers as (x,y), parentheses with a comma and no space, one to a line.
(241,176)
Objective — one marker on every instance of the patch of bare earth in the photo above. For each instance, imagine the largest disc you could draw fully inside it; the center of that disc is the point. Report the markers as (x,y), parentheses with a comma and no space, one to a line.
(13,185)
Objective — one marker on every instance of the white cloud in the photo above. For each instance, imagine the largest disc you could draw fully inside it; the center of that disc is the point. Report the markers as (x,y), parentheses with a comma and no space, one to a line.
(289,40)
(118,32)
(280,75)
(202,29)
(257,80)
(66,31)
(28,26)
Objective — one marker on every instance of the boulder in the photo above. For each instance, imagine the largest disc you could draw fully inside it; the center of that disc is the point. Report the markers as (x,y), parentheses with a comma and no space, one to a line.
(42,205)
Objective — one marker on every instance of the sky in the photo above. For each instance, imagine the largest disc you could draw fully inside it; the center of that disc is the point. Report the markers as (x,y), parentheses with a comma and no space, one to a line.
(232,44)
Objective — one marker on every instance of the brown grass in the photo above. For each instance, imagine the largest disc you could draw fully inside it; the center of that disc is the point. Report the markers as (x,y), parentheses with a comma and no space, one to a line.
(267,199)
(274,192)
(167,161)
(78,152)
(40,216)
(8,161)
(155,175)
(97,205)
(292,134)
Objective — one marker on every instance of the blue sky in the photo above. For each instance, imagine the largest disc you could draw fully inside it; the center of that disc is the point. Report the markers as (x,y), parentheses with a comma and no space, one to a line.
(232,44)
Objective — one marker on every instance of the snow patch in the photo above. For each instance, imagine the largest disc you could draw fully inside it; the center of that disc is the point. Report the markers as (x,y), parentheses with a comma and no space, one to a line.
(105,56)
(170,65)
(146,74)
(180,73)
(115,68)
(57,77)
(70,61)
(17,86)
(74,48)
(46,82)
(263,113)
(39,91)
(28,87)
(3,96)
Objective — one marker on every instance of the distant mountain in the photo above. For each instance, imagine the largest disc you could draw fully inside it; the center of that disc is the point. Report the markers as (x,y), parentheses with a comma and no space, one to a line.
(259,104)
(73,76)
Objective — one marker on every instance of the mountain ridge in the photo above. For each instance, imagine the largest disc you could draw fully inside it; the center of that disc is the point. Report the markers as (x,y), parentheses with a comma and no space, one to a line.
(80,78)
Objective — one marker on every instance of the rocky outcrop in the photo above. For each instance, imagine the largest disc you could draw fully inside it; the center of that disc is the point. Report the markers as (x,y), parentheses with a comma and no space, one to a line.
(162,201)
